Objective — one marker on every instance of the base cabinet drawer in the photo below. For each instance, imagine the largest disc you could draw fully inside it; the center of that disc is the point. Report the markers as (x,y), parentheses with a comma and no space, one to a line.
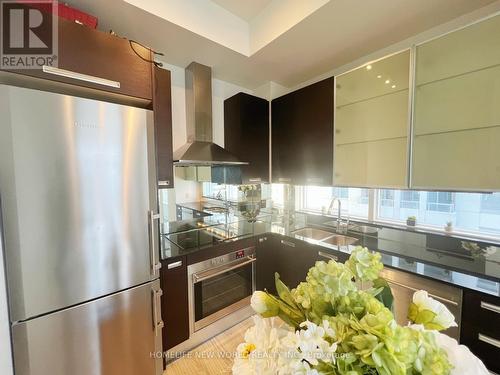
(481,327)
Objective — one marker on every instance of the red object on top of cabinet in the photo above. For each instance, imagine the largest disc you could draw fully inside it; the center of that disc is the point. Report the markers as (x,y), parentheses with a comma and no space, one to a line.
(65,11)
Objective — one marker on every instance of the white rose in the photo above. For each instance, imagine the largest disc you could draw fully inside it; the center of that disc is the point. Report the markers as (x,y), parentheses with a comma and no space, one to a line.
(430,312)
(264,305)
(463,361)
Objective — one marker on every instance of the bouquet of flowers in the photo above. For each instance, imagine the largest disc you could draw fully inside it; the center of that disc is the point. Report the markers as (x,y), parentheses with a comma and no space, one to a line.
(326,325)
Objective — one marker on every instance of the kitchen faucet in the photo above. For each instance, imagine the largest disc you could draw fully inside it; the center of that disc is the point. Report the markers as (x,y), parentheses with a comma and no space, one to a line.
(339,216)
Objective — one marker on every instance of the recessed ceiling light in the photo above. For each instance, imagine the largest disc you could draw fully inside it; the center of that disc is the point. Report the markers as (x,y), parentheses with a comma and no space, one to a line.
(379,76)
(368,67)
(387,81)
(393,86)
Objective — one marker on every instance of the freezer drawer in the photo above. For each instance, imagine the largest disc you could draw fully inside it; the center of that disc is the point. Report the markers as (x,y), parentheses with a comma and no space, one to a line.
(75,176)
(114,335)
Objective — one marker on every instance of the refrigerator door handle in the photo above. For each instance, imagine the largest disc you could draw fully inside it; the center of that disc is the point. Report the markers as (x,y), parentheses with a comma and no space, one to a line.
(155,263)
(157,320)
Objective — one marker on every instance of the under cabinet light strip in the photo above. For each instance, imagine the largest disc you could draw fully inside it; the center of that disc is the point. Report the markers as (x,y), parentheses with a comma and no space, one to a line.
(80,76)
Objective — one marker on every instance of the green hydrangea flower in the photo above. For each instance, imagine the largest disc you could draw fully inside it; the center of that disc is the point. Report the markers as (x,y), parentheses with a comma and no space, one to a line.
(364,264)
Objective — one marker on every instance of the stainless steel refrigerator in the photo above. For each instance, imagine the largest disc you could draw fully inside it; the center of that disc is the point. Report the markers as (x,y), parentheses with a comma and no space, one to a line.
(78,187)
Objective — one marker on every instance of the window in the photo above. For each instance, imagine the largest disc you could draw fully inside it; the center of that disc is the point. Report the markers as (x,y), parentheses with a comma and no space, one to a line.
(354,201)
(410,199)
(474,213)
(441,201)
(277,195)
(490,203)
(387,198)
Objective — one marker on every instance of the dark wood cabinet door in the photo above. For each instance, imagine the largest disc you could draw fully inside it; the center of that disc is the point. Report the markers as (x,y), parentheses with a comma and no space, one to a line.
(302,135)
(284,139)
(95,53)
(266,263)
(162,108)
(246,134)
(174,305)
(296,258)
(480,327)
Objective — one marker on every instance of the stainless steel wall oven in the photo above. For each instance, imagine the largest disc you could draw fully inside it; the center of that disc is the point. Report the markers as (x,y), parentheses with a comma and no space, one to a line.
(220,286)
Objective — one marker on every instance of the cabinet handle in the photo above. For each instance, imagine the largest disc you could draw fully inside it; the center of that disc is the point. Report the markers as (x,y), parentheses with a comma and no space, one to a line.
(155,264)
(157,321)
(282,179)
(490,307)
(287,243)
(173,265)
(445,300)
(488,340)
(164,183)
(255,179)
(202,276)
(329,256)
(80,76)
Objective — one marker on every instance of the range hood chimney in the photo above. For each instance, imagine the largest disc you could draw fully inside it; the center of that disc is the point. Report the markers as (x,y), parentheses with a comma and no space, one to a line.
(199,149)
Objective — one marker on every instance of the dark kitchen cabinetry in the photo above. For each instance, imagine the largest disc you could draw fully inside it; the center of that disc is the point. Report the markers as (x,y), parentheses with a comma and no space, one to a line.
(302,135)
(174,302)
(162,110)
(96,54)
(246,134)
(266,264)
(291,258)
(480,328)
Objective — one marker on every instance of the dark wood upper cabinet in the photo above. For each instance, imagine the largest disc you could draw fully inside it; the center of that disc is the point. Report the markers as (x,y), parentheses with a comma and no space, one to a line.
(162,109)
(302,135)
(98,54)
(246,134)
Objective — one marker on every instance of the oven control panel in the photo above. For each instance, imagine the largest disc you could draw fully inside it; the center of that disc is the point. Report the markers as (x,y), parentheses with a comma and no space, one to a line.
(228,258)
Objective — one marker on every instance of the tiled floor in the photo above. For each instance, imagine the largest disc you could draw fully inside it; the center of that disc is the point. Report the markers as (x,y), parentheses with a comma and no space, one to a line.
(214,356)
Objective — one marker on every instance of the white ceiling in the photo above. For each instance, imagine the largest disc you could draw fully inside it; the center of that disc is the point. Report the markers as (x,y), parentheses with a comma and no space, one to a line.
(337,33)
(245,9)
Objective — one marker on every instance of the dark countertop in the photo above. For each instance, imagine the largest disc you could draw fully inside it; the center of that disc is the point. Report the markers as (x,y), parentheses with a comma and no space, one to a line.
(434,256)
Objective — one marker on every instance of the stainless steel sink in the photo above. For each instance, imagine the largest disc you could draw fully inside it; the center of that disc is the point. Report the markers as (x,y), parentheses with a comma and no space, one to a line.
(339,240)
(312,234)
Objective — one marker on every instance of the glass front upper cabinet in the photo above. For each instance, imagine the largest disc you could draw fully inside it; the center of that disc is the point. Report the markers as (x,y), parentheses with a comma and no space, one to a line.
(371,124)
(456,143)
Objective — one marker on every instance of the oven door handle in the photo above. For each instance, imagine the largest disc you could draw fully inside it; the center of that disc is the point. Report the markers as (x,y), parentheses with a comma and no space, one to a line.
(198,277)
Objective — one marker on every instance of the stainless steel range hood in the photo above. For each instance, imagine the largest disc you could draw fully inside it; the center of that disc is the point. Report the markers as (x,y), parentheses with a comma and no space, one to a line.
(199,149)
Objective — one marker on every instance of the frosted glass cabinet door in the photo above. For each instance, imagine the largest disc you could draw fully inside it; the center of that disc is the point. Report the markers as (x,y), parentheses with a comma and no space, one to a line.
(456,132)
(371,124)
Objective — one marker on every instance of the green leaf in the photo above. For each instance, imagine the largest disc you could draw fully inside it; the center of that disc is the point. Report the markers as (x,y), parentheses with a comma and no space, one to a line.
(283,291)
(289,314)
(385,296)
